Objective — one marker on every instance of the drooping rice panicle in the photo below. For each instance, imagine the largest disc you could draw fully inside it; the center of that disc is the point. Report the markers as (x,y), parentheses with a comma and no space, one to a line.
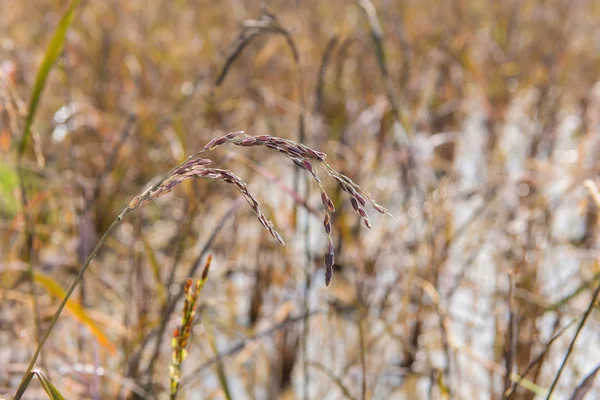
(301,155)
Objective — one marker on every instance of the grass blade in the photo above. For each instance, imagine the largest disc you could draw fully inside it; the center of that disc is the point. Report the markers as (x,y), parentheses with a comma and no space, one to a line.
(54,288)
(51,390)
(52,52)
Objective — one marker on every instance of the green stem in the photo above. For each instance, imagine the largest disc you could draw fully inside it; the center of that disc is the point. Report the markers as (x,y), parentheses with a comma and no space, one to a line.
(26,377)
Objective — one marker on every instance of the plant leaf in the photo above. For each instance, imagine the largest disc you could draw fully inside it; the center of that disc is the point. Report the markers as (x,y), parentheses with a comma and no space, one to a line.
(51,390)
(52,52)
(54,288)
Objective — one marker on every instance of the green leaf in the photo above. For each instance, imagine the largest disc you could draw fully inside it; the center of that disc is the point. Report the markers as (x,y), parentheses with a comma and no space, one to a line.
(52,52)
(51,390)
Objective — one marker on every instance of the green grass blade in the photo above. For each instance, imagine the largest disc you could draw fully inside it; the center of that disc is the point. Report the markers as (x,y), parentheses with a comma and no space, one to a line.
(24,384)
(51,390)
(52,52)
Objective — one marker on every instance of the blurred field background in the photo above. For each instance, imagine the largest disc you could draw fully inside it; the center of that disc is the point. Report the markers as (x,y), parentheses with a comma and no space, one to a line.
(475,122)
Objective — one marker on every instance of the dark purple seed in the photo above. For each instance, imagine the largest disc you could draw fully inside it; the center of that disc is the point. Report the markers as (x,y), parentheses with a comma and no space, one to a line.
(293,149)
(233,134)
(248,142)
(278,141)
(227,174)
(328,275)
(367,223)
(308,166)
(263,138)
(327,224)
(362,212)
(360,199)
(315,154)
(328,260)
(327,203)
(354,203)
(198,162)
(180,170)
(220,141)
(210,144)
(330,205)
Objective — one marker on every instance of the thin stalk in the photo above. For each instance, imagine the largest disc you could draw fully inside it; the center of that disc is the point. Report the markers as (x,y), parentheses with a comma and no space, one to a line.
(572,344)
(305,305)
(361,338)
(24,382)
(591,186)
(28,253)
(363,359)
(511,345)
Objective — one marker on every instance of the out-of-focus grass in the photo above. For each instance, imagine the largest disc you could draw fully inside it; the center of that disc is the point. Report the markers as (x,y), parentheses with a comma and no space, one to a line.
(8,188)
(494,247)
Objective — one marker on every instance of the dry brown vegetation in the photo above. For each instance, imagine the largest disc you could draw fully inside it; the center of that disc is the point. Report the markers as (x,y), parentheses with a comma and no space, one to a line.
(475,122)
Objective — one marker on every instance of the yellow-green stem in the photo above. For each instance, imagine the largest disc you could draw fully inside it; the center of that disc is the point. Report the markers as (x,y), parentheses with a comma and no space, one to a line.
(25,381)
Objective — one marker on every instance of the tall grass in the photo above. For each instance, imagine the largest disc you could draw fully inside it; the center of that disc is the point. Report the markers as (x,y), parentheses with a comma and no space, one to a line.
(474,122)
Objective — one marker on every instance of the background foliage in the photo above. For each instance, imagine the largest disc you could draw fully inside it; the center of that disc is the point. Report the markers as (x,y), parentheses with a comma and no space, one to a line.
(475,122)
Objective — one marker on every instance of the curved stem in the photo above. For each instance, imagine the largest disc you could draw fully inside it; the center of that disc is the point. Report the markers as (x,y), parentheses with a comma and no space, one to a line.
(25,381)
